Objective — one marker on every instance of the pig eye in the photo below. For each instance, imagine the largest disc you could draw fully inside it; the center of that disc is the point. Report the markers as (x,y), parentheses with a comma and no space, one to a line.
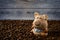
(40,18)
(37,17)
(45,19)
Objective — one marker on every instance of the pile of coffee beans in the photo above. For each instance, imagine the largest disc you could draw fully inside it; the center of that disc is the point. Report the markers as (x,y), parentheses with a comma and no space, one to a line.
(20,30)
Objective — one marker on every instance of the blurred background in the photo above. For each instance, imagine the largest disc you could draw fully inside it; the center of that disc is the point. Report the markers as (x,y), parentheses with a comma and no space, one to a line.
(24,9)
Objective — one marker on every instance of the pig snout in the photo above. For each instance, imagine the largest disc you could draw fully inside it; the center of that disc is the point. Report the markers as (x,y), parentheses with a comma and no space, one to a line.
(37,23)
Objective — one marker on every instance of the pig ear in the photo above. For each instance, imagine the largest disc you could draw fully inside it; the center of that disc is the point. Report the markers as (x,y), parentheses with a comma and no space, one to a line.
(36,14)
(45,16)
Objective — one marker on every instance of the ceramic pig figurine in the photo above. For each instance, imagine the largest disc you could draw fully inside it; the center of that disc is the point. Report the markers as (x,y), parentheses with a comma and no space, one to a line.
(40,24)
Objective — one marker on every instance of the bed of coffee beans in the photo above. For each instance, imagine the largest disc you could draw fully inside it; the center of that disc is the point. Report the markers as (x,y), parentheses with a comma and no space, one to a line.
(20,30)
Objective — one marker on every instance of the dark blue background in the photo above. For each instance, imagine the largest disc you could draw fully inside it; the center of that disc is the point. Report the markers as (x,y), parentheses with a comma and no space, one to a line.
(20,9)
